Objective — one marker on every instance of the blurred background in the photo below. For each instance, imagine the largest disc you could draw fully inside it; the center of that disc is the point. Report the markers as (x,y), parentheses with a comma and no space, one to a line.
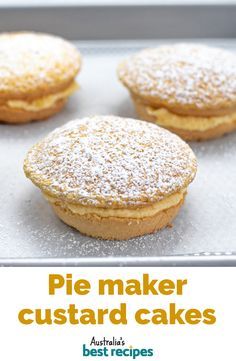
(141,19)
(111,2)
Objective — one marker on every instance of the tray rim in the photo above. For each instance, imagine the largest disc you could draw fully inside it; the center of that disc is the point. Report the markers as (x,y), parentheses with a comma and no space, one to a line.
(163,261)
(123,21)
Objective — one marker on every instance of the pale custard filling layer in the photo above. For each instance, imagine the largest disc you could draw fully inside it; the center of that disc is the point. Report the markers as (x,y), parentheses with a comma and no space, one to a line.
(148,211)
(168,119)
(44,102)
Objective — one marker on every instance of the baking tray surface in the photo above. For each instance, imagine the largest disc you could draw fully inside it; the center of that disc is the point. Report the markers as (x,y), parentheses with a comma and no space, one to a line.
(28,226)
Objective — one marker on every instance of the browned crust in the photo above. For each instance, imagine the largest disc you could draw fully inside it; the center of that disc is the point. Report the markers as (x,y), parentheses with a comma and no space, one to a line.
(112,228)
(18,116)
(213,133)
(128,74)
(185,110)
(189,135)
(34,95)
(30,87)
(143,184)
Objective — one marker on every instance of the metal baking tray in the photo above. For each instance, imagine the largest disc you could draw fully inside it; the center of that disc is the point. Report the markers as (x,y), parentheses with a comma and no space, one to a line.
(204,233)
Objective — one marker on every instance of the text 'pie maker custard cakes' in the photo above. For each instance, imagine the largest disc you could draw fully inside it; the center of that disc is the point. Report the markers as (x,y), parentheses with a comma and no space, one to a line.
(189,89)
(112,177)
(37,75)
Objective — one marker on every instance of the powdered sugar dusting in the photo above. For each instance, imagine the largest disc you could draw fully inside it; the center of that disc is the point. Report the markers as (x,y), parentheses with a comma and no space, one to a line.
(107,161)
(184,74)
(33,62)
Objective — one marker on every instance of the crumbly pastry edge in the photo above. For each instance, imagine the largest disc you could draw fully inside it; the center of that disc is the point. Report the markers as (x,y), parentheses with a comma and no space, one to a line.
(112,228)
(110,203)
(42,103)
(17,116)
(212,132)
(136,213)
(22,112)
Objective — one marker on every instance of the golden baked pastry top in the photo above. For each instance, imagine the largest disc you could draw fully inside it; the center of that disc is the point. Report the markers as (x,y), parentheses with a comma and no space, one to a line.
(33,65)
(183,77)
(110,162)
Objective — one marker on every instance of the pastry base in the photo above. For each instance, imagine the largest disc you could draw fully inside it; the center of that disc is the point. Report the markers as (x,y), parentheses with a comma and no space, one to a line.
(18,116)
(112,228)
(190,135)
